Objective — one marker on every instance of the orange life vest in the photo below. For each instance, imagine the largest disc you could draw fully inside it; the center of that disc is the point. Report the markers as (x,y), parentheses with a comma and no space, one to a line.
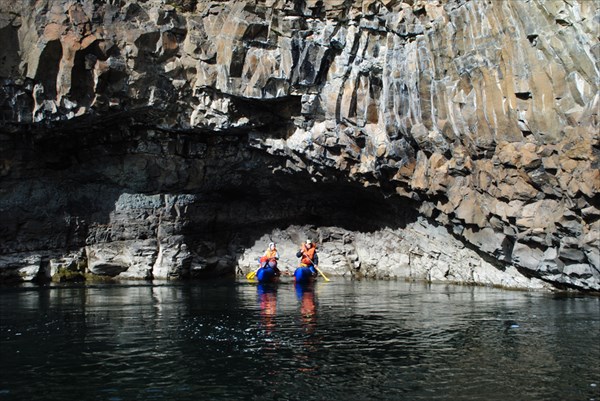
(308,255)
(271,253)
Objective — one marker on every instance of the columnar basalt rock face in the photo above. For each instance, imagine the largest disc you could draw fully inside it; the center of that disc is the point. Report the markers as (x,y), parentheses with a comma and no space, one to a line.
(164,138)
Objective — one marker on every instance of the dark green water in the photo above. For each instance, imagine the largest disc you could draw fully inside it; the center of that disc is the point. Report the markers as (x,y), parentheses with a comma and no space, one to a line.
(344,340)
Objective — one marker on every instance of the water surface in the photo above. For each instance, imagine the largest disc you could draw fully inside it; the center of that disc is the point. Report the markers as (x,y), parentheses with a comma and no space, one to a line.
(341,340)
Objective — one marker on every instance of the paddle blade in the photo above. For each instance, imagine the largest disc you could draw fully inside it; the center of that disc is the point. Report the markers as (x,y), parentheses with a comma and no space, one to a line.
(322,274)
(251,275)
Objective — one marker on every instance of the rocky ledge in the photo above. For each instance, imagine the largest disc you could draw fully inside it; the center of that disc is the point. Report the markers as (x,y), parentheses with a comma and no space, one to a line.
(442,140)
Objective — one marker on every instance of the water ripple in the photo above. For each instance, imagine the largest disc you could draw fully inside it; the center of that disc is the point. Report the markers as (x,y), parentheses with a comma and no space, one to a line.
(347,340)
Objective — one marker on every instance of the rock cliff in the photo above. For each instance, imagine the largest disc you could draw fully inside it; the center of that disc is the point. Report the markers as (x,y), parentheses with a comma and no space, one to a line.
(443,140)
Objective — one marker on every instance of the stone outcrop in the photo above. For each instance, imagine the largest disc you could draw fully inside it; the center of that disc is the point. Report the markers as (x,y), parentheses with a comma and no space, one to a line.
(443,140)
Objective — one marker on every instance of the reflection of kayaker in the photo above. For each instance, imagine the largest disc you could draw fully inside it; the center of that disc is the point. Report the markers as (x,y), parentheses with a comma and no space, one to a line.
(267,300)
(308,307)
(306,295)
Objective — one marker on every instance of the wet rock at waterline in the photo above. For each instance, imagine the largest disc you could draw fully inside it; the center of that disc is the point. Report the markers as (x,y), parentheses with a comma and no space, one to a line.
(169,139)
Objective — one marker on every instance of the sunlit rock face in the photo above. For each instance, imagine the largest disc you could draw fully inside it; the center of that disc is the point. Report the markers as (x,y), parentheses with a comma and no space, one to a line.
(167,139)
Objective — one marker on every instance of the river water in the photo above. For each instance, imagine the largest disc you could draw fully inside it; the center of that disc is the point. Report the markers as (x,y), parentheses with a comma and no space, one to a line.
(340,340)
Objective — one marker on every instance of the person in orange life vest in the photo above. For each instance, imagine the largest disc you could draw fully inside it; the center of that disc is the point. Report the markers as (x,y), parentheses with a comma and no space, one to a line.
(308,256)
(270,257)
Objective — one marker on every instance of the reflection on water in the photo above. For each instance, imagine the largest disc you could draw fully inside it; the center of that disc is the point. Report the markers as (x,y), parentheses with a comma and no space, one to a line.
(267,299)
(338,340)
(308,306)
(306,358)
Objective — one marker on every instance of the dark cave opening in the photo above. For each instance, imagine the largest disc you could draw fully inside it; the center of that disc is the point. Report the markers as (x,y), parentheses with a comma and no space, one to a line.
(235,190)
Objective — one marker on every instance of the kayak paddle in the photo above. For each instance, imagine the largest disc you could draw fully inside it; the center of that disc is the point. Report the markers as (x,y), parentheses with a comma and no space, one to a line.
(316,267)
(252,274)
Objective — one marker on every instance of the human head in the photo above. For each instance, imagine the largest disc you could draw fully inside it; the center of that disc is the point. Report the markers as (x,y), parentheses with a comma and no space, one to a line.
(271,245)
(308,243)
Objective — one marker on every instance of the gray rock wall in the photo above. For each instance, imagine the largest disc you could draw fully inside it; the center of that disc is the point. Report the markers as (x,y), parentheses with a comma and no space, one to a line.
(163,138)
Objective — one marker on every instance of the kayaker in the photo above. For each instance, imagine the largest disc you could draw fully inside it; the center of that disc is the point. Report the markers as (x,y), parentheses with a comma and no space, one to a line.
(271,252)
(270,257)
(308,256)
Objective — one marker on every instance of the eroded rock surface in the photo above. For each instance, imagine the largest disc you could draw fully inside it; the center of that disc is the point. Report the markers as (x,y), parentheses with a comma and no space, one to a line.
(165,138)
